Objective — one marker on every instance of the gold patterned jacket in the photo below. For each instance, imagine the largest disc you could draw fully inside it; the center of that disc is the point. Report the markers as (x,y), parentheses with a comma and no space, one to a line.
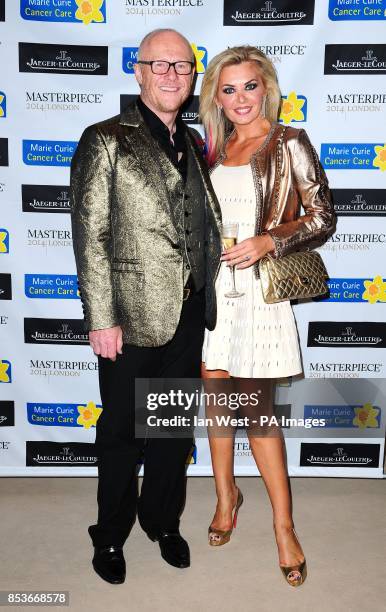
(288,176)
(129,270)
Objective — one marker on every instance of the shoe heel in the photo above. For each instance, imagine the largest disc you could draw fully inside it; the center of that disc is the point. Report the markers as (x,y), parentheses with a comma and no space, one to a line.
(219,537)
(235,521)
(240,500)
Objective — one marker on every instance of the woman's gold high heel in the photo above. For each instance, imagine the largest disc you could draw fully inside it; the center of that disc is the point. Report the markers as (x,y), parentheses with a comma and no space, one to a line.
(218,537)
(295,575)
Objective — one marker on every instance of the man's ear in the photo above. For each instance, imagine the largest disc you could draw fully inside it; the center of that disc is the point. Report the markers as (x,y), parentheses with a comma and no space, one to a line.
(138,73)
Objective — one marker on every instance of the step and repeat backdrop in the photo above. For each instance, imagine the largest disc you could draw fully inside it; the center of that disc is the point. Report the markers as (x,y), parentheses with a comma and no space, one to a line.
(68,63)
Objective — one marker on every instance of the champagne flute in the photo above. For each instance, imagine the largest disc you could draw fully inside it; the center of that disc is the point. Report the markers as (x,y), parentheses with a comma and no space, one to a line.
(230,232)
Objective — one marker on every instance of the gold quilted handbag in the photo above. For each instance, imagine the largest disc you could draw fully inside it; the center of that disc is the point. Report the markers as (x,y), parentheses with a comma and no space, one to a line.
(297,276)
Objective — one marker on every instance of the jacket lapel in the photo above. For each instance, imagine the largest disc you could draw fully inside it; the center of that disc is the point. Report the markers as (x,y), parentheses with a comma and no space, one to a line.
(159,170)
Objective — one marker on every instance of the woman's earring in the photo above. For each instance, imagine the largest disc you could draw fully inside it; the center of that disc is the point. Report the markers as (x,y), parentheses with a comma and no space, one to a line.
(219,112)
(263,107)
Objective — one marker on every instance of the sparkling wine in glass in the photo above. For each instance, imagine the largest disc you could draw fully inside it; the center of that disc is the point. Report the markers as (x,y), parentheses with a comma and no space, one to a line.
(230,232)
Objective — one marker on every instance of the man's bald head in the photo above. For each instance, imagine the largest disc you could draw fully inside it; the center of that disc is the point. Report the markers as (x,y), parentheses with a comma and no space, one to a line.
(168,34)
(164,93)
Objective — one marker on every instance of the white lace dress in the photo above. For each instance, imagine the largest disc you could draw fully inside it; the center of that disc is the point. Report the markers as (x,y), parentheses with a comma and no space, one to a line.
(252,339)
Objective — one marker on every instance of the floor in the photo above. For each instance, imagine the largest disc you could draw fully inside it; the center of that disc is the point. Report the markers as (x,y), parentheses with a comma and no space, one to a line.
(341,524)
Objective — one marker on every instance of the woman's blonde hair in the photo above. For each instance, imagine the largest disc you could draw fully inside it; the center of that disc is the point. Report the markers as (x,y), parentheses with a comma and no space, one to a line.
(215,123)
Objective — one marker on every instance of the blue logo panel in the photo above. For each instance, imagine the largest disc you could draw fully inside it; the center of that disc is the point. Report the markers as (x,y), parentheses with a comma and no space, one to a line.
(355,290)
(63,415)
(48,152)
(129,58)
(70,11)
(352,156)
(356,10)
(51,286)
(353,417)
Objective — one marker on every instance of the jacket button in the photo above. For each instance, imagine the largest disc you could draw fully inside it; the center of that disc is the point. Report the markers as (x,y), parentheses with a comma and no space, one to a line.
(189,249)
(186,213)
(187,232)
(174,245)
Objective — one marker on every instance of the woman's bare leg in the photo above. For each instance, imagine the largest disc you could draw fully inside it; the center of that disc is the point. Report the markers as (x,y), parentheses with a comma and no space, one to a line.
(268,450)
(222,453)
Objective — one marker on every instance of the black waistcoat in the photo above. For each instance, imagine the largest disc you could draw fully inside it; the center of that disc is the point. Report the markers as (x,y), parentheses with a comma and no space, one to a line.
(187,202)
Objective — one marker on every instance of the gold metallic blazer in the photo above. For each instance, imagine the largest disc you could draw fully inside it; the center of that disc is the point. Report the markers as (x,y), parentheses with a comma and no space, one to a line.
(129,270)
(288,176)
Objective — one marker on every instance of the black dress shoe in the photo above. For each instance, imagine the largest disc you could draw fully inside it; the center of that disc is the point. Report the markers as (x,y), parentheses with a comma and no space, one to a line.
(174,549)
(109,564)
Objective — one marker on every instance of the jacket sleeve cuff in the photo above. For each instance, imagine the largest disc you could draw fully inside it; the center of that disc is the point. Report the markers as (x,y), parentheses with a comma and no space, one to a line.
(98,322)
(279,247)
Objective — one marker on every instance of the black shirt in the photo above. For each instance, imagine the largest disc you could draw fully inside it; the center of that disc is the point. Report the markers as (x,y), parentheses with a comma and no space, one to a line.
(161,134)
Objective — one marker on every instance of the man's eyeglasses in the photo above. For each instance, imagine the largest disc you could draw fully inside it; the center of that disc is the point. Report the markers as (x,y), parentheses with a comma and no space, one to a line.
(163,67)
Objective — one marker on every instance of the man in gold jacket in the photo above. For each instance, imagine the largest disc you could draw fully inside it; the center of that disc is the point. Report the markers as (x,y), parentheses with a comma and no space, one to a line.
(147,247)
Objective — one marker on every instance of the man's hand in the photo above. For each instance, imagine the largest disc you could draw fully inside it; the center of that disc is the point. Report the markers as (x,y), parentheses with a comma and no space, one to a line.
(248,252)
(107,342)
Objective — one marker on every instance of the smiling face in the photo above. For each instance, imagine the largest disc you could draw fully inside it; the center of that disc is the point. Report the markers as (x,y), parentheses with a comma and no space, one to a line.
(241,92)
(164,94)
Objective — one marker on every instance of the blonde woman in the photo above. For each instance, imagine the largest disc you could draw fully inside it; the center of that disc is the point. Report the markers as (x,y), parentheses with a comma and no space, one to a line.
(263,174)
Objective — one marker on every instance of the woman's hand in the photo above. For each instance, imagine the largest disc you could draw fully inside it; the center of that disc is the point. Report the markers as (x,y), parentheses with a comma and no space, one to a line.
(248,251)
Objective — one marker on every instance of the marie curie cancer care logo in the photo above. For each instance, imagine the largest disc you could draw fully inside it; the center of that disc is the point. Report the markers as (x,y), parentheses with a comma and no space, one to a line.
(64,415)
(70,11)
(372,291)
(5,371)
(130,57)
(357,10)
(365,416)
(353,156)
(51,286)
(293,108)
(48,152)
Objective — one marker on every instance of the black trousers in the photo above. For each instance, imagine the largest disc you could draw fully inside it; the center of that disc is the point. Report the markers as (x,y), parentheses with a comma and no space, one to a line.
(162,494)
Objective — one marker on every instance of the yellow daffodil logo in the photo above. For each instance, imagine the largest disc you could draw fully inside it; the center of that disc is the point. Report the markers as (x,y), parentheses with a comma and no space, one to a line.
(3,241)
(366,416)
(291,108)
(2,105)
(4,372)
(375,290)
(88,415)
(380,160)
(89,10)
(200,54)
